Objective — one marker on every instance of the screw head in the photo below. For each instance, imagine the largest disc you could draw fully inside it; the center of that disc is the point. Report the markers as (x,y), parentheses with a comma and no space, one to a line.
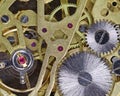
(84,78)
(4,19)
(11,39)
(102,37)
(24,19)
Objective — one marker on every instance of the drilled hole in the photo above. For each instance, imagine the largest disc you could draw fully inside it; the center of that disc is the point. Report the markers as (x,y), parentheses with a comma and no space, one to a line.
(114,3)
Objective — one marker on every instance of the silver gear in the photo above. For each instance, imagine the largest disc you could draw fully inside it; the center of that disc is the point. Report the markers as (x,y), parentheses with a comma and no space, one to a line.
(102,36)
(84,74)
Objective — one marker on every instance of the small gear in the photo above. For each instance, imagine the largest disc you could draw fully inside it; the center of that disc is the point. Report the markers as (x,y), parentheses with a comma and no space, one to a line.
(102,37)
(84,74)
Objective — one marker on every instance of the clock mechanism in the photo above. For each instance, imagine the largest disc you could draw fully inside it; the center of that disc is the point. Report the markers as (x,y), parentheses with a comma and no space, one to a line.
(59,47)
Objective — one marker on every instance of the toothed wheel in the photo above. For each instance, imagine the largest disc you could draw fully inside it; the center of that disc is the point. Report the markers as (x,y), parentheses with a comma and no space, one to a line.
(102,37)
(84,74)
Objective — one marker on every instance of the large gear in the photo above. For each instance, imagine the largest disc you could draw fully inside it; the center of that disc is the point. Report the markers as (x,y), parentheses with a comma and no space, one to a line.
(102,37)
(84,74)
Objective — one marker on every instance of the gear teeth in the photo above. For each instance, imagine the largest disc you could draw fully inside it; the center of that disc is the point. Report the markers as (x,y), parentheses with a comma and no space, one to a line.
(74,46)
(58,8)
(98,44)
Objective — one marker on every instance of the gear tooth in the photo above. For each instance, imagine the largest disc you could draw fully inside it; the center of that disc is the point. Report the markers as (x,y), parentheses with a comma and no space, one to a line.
(101,21)
(109,52)
(74,46)
(105,53)
(106,21)
(102,54)
(85,33)
(96,21)
(98,46)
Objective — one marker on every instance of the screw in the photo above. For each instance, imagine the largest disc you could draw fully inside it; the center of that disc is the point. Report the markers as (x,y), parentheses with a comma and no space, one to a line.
(4,18)
(102,37)
(24,19)
(11,39)
(84,78)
